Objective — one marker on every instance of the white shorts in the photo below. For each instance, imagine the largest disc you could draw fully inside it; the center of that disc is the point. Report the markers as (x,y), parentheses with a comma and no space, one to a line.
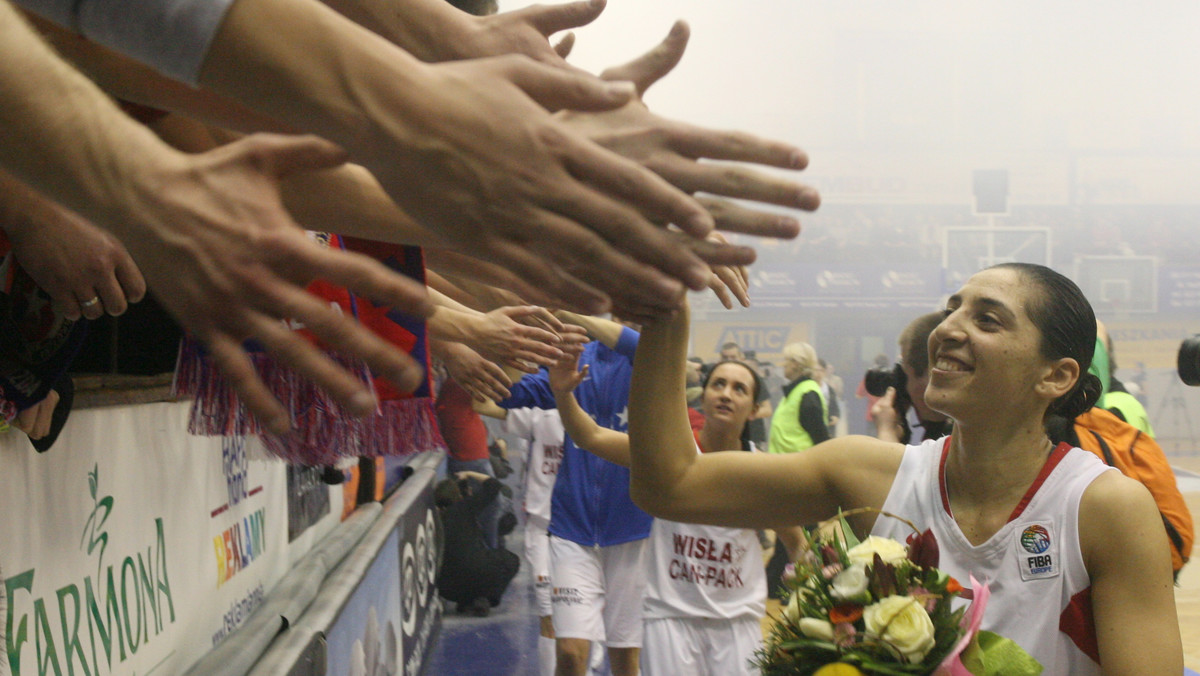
(699,646)
(598,591)
(537,553)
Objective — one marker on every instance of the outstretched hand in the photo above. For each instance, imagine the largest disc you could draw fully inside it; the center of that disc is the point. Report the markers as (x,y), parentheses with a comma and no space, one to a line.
(527,193)
(482,379)
(674,149)
(565,375)
(224,257)
(500,336)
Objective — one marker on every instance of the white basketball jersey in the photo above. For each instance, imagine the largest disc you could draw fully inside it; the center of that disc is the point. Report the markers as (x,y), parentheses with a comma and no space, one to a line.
(704,571)
(1040,589)
(543,429)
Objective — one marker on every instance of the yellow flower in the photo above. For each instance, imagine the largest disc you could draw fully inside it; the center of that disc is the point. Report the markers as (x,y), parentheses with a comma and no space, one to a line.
(889,550)
(838,669)
(903,622)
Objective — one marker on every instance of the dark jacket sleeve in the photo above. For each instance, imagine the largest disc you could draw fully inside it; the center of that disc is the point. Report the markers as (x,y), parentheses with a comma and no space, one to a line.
(835,411)
(812,417)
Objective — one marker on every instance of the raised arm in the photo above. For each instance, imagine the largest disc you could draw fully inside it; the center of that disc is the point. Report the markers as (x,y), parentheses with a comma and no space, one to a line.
(1133,600)
(609,444)
(749,490)
(604,330)
(207,231)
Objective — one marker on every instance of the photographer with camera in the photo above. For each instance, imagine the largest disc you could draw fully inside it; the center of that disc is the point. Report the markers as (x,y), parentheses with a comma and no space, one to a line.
(901,388)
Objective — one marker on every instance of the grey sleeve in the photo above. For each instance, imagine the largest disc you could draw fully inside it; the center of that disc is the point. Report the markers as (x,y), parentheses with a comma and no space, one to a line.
(171,36)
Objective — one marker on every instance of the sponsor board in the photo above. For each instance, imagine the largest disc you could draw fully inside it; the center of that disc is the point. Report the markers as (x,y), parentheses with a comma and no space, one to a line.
(132,547)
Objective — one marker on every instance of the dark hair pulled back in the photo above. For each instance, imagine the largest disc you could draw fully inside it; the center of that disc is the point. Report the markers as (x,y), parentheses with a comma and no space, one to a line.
(1065,319)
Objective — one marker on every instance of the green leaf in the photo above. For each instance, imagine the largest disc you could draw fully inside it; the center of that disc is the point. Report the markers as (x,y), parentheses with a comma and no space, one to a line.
(990,654)
(852,540)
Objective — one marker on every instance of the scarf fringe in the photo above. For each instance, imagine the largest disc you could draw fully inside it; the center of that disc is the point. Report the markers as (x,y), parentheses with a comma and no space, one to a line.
(323,432)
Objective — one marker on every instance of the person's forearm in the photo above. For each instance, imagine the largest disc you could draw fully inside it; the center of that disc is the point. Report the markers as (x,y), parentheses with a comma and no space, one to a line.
(488,297)
(604,330)
(424,28)
(661,445)
(313,69)
(349,201)
(608,444)
(21,207)
(54,111)
(451,290)
(134,81)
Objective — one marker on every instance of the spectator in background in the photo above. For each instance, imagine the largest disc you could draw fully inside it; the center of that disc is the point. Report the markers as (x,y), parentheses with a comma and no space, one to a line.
(801,419)
(831,400)
(892,408)
(473,575)
(881,362)
(467,449)
(837,388)
(757,429)
(800,422)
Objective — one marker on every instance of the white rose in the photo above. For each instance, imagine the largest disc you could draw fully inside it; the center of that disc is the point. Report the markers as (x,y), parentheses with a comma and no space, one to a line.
(791,612)
(889,550)
(818,629)
(903,622)
(850,584)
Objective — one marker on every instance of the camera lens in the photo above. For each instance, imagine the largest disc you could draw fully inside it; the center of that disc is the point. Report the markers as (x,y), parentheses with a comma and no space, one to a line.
(1189,361)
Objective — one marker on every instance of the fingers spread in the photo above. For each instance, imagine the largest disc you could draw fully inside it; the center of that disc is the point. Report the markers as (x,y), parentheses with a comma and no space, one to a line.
(547,274)
(342,334)
(733,217)
(564,46)
(652,66)
(731,180)
(550,19)
(228,356)
(638,187)
(633,285)
(717,253)
(694,141)
(556,88)
(283,155)
(366,277)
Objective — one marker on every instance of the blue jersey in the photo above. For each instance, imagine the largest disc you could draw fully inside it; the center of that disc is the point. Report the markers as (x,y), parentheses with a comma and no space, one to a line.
(591,503)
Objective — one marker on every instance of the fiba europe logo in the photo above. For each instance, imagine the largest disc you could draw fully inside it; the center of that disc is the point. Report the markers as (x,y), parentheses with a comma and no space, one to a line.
(1035,539)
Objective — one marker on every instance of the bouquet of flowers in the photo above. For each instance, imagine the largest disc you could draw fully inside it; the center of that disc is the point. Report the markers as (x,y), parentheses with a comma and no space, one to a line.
(882,607)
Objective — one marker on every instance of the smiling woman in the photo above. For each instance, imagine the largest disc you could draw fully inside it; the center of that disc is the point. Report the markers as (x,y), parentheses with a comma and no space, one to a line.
(1012,346)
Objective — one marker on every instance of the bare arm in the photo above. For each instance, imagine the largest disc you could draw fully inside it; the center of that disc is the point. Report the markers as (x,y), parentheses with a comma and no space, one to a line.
(1133,600)
(608,444)
(748,490)
(483,118)
(207,231)
(604,330)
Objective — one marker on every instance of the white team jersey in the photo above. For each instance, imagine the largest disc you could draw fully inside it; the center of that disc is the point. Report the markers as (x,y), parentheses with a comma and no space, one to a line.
(704,571)
(543,429)
(1040,588)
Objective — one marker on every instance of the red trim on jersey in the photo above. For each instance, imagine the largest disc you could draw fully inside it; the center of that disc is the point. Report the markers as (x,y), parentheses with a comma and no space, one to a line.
(1056,457)
(1052,461)
(942,477)
(1077,623)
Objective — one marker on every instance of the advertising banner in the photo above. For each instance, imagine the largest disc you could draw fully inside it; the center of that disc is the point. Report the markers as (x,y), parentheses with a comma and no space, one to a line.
(364,640)
(418,546)
(132,547)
